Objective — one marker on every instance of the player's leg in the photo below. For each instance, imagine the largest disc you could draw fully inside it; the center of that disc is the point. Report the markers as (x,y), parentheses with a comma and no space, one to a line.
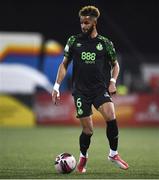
(87,132)
(84,111)
(108,112)
(84,142)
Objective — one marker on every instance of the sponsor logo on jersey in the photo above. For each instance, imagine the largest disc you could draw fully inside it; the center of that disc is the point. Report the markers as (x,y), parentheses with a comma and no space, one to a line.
(99,47)
(88,57)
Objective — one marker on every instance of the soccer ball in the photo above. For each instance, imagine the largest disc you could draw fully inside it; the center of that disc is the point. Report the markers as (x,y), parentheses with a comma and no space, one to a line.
(65,163)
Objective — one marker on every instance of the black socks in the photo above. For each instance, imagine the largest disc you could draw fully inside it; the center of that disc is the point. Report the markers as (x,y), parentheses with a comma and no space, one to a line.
(84,141)
(112,134)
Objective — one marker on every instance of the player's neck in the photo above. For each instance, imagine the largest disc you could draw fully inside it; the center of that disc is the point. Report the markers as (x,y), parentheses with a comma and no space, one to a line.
(94,33)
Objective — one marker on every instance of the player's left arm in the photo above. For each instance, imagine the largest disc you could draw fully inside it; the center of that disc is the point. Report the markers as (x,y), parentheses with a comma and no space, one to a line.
(114,64)
(114,76)
(115,67)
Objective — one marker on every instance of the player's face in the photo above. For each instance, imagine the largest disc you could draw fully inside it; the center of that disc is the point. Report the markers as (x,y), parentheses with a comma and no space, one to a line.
(87,24)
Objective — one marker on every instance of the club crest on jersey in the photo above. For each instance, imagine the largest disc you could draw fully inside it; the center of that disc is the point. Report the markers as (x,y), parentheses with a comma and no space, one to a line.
(78,44)
(99,47)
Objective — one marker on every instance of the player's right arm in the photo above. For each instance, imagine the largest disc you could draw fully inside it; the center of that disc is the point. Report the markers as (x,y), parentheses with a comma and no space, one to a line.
(62,70)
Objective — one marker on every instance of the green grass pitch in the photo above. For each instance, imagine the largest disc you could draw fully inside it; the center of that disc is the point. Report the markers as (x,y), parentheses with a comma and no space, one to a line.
(30,153)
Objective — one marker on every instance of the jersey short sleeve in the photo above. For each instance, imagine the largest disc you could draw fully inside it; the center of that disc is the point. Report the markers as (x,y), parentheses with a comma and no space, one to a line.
(111,50)
(68,47)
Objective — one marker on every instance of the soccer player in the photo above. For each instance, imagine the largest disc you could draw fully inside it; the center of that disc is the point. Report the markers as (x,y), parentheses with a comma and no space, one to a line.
(95,71)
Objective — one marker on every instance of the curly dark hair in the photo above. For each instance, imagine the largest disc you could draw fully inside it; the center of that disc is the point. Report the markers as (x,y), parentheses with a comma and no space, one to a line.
(89,11)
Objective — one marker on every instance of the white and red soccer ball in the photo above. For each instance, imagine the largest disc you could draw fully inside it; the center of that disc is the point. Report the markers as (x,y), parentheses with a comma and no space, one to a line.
(65,163)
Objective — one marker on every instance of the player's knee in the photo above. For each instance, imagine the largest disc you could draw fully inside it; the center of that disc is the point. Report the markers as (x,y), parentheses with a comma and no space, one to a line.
(110,115)
(88,131)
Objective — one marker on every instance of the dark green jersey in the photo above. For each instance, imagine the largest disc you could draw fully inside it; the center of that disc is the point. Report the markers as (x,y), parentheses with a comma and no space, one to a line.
(92,61)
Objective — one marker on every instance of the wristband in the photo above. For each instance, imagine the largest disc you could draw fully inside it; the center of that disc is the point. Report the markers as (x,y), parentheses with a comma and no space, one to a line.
(56,88)
(113,80)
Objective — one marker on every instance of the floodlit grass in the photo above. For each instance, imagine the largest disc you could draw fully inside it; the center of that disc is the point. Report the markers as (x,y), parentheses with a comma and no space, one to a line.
(30,153)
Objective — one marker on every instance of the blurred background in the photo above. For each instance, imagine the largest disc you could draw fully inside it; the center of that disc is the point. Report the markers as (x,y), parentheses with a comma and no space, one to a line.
(32,38)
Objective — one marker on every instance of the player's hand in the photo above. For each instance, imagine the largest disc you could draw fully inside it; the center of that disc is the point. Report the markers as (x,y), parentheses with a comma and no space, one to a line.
(55,97)
(112,88)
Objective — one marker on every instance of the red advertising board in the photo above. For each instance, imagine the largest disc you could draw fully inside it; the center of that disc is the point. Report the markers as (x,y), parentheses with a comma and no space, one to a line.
(134,110)
(131,110)
(147,110)
(138,109)
(61,114)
